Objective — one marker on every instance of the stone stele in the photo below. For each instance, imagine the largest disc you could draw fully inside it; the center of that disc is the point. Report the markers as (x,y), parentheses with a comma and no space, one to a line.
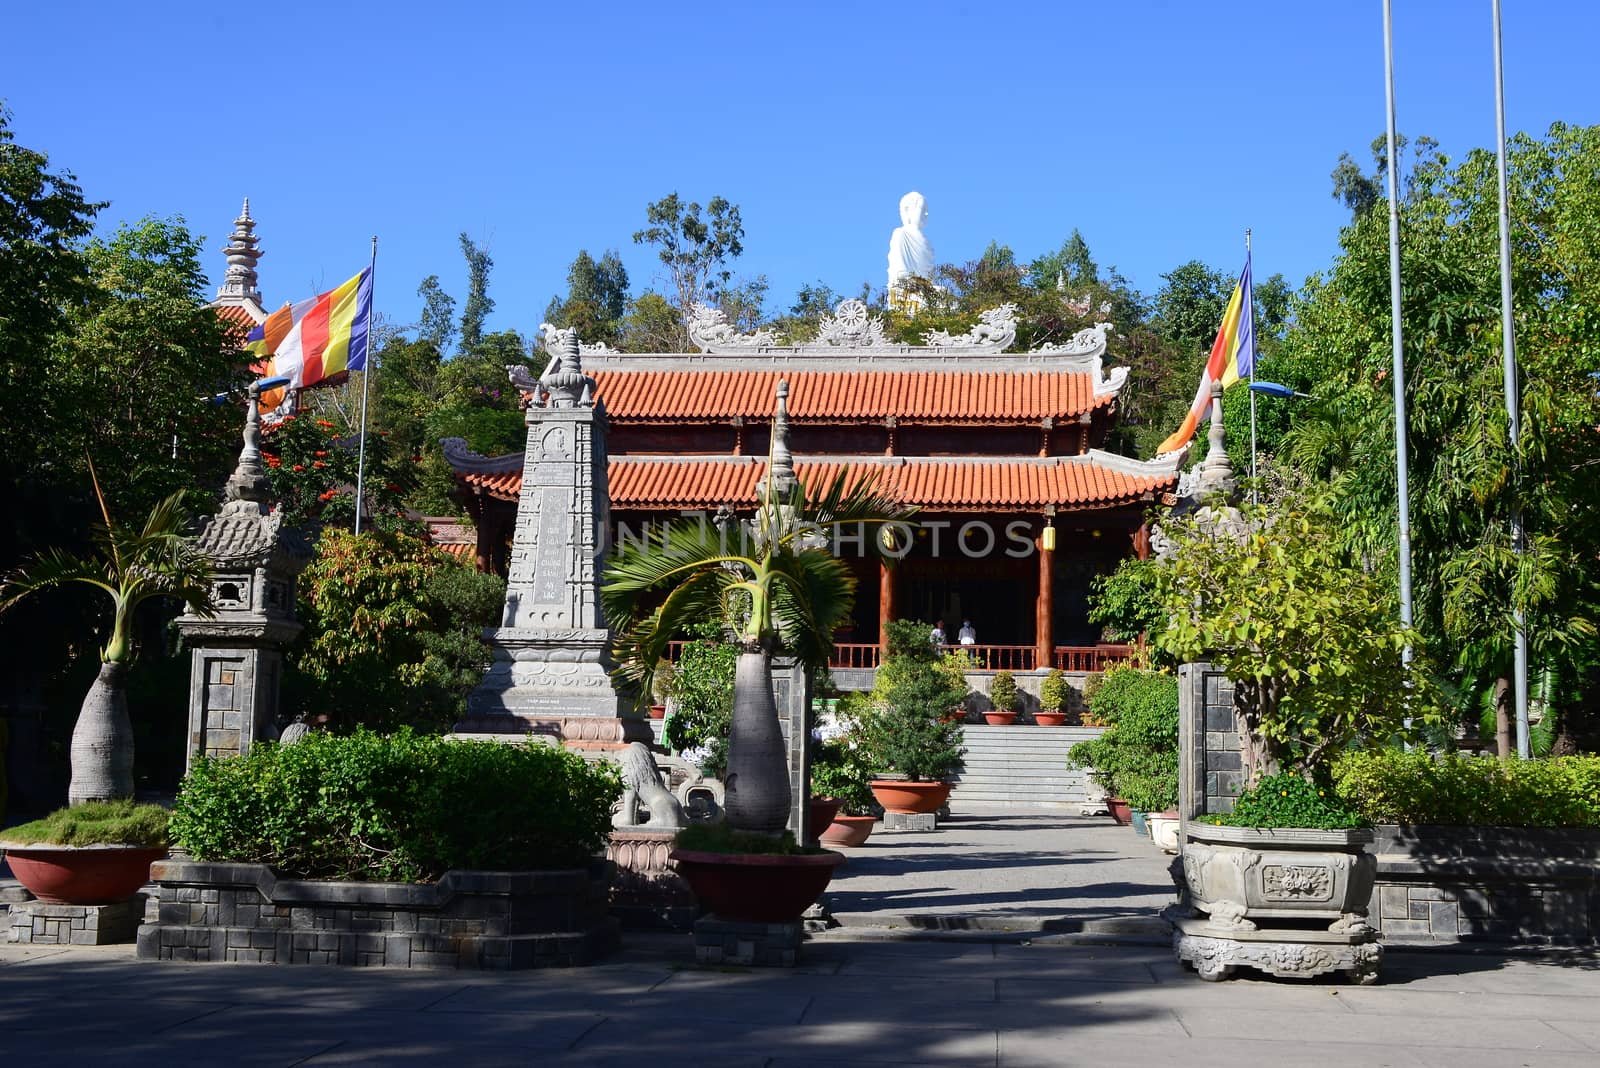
(551,668)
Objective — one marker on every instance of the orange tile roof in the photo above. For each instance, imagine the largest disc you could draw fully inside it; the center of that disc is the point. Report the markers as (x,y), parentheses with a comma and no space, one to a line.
(833,396)
(956,485)
(237,316)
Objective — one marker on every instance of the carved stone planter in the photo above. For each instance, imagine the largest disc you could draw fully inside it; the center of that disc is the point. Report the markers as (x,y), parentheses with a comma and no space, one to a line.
(1239,875)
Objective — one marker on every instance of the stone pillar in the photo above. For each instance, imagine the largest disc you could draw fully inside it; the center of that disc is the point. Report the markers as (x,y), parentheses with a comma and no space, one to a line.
(1043,608)
(236,655)
(885,604)
(1210,774)
(551,668)
(791,691)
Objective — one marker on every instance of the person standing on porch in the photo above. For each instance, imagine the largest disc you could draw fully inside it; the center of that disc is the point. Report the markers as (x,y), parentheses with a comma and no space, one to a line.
(938,637)
(968,636)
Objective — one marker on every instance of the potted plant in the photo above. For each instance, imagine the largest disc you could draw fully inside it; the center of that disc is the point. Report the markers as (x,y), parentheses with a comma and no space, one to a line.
(1136,759)
(776,586)
(131,567)
(96,853)
(1002,700)
(661,689)
(841,769)
(1312,643)
(1054,694)
(906,730)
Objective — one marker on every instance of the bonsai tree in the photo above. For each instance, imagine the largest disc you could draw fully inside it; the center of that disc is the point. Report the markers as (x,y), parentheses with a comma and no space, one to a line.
(778,587)
(1003,692)
(130,567)
(1053,692)
(909,728)
(1309,636)
(1137,758)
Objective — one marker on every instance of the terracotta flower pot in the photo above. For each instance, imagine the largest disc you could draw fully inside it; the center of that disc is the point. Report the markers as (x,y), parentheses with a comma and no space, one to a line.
(1119,810)
(658,711)
(756,888)
(1050,719)
(999,719)
(848,830)
(82,875)
(911,797)
(822,811)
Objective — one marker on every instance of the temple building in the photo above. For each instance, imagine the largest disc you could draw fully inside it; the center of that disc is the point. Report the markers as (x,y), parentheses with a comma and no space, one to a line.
(238,299)
(1017,506)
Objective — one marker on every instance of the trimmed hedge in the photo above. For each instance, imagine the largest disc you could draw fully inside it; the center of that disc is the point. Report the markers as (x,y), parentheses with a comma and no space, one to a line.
(1137,758)
(1391,786)
(401,807)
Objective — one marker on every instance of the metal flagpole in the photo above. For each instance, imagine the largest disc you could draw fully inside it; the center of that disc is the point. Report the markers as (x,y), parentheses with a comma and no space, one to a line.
(1508,334)
(1401,474)
(366,384)
(1255,491)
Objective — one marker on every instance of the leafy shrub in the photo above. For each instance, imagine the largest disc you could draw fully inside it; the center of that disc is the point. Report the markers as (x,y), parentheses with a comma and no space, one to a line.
(1125,601)
(401,807)
(841,768)
(1291,801)
(96,823)
(1391,786)
(702,692)
(1137,757)
(1054,691)
(721,838)
(908,727)
(392,632)
(1003,692)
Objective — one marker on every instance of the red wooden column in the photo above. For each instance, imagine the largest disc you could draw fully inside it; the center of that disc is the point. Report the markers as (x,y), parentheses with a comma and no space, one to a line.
(885,604)
(1043,616)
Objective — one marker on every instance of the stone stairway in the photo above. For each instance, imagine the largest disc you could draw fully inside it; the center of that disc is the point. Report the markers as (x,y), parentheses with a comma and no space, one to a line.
(1020,765)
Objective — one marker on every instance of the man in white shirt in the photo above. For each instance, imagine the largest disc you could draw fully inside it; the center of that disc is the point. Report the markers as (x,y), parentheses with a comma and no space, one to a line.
(968,636)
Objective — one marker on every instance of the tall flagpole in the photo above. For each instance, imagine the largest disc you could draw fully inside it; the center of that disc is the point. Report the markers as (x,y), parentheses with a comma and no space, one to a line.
(366,384)
(1508,333)
(1402,479)
(1255,491)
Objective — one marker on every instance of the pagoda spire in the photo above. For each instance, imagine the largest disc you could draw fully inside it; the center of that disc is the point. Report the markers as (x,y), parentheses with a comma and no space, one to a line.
(239,283)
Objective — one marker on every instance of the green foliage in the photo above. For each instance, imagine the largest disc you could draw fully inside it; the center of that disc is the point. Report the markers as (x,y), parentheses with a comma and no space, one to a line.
(841,767)
(95,823)
(721,838)
(596,300)
(401,807)
(392,631)
(436,328)
(1393,786)
(1125,603)
(1054,691)
(313,473)
(1291,801)
(702,693)
(909,728)
(695,249)
(1137,757)
(1311,640)
(479,304)
(1003,692)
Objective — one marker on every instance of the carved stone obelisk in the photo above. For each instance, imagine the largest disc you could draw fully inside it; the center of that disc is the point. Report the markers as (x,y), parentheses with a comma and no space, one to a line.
(550,673)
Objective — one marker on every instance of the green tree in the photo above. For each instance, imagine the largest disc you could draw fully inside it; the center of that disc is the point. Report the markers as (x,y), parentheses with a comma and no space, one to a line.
(652,325)
(695,249)
(1466,478)
(596,300)
(479,304)
(131,567)
(437,326)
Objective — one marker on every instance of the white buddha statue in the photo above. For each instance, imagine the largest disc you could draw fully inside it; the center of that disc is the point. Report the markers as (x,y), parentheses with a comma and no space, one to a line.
(910,255)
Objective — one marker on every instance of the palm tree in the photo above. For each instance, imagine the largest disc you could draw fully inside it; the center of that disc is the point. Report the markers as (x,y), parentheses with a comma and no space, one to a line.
(776,585)
(131,568)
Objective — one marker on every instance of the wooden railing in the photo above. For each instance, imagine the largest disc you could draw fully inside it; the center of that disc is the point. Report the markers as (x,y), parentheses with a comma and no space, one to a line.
(856,655)
(1091,657)
(997,657)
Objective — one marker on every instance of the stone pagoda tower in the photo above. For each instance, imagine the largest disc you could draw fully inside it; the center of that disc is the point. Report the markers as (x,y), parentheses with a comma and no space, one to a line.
(237,654)
(551,669)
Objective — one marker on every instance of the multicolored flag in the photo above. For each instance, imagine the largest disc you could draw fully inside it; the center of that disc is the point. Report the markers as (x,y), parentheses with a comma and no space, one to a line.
(1233,357)
(314,339)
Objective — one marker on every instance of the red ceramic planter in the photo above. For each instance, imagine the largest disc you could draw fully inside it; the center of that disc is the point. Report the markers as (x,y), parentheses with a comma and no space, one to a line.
(999,719)
(911,797)
(1050,719)
(756,888)
(1120,811)
(82,875)
(848,830)
(658,711)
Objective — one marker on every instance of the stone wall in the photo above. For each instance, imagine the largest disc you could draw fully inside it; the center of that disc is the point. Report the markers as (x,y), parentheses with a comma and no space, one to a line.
(468,919)
(1210,771)
(1492,884)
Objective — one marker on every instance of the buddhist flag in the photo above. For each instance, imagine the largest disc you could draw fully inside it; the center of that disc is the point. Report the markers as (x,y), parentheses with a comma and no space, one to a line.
(1233,357)
(316,338)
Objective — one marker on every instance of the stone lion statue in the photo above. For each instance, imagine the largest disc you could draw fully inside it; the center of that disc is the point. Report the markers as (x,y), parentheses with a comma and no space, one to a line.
(642,788)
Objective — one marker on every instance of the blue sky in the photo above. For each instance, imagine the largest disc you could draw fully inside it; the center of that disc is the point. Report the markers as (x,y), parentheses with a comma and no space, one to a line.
(1161,130)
